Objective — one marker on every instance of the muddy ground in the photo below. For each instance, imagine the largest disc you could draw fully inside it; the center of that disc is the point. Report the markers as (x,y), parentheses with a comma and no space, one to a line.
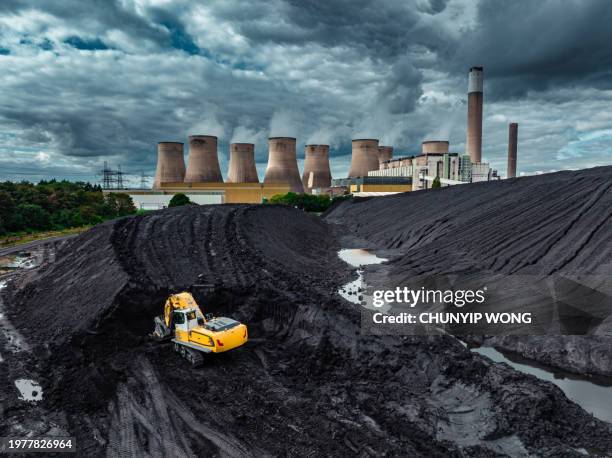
(307,384)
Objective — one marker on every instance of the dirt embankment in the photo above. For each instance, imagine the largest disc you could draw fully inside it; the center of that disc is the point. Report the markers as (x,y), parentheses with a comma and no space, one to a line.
(554,231)
(308,384)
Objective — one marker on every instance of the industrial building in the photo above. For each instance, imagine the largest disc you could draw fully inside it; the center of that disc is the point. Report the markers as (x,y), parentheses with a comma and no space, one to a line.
(435,161)
(374,185)
(203,164)
(512,147)
(317,174)
(364,157)
(474,116)
(203,193)
(242,167)
(282,164)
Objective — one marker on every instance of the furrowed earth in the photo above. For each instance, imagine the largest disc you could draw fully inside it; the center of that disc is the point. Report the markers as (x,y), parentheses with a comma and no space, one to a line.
(308,383)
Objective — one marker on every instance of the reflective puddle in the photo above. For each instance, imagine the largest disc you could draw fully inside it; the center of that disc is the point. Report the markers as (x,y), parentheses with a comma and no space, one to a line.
(593,396)
(357,257)
(29,390)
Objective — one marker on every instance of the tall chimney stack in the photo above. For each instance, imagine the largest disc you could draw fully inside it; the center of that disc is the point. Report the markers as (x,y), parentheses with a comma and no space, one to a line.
(474,129)
(316,167)
(512,144)
(364,157)
(170,164)
(242,164)
(282,164)
(203,164)
(385,153)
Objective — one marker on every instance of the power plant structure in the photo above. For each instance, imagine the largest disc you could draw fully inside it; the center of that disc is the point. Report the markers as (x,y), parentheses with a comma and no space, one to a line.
(317,173)
(512,146)
(373,170)
(385,153)
(282,164)
(474,127)
(242,164)
(203,164)
(170,163)
(364,157)
(434,147)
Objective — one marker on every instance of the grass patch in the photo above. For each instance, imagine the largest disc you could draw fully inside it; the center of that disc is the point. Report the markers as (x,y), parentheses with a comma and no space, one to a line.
(18,239)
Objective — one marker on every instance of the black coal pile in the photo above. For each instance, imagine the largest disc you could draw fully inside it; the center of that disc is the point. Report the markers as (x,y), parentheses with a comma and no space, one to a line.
(554,229)
(307,384)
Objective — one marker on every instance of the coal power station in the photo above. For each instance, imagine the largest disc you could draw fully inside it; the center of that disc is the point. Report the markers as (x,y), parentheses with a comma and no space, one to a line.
(282,163)
(373,168)
(242,164)
(474,128)
(317,173)
(203,164)
(170,163)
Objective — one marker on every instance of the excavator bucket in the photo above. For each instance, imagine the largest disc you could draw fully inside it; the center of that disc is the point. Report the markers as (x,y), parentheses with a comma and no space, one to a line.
(161,331)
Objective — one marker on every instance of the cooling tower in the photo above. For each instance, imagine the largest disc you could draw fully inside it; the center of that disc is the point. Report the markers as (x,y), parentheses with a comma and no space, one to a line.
(316,167)
(474,128)
(170,163)
(282,164)
(242,164)
(434,147)
(512,142)
(203,164)
(364,157)
(385,153)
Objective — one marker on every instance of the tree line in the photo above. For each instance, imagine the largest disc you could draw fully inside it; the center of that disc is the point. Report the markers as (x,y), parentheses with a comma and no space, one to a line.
(56,205)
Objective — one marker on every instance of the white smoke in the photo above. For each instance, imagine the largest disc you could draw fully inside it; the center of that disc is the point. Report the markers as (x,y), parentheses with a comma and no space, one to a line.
(286,123)
(208,125)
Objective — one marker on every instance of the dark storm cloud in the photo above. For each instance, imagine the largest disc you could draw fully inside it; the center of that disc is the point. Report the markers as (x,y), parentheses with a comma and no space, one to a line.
(526,45)
(179,38)
(379,29)
(93,44)
(120,75)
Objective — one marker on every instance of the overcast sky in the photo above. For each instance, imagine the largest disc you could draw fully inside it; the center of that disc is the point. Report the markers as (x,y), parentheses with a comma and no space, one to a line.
(84,81)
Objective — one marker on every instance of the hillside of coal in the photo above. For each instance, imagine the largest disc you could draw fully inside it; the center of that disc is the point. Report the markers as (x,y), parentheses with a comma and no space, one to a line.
(307,384)
(542,238)
(123,271)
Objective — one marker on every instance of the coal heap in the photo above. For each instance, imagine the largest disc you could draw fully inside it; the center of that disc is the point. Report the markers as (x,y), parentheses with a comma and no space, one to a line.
(307,384)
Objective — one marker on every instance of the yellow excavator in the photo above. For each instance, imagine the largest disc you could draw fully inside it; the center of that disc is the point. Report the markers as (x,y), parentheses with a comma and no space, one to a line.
(195,333)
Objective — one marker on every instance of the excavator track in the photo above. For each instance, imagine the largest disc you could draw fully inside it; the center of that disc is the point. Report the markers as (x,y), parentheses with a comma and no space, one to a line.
(194,357)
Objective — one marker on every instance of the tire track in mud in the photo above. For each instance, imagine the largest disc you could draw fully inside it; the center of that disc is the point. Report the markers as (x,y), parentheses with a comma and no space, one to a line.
(149,420)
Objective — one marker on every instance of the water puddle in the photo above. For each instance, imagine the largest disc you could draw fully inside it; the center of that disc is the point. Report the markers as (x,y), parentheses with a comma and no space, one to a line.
(352,291)
(593,396)
(13,262)
(29,390)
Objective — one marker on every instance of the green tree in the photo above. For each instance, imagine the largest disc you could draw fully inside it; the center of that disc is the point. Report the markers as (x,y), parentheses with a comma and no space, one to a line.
(34,217)
(436,183)
(307,202)
(179,199)
(125,204)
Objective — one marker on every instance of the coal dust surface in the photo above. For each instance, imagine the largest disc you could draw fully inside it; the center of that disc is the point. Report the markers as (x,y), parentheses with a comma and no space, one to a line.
(308,383)
(544,239)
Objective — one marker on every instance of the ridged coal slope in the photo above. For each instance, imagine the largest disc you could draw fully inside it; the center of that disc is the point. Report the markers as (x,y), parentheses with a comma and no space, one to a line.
(134,263)
(558,224)
(544,224)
